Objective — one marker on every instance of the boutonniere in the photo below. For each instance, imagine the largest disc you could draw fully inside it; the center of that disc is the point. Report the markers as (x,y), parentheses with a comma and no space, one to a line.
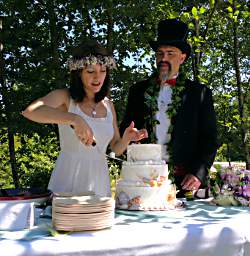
(151,96)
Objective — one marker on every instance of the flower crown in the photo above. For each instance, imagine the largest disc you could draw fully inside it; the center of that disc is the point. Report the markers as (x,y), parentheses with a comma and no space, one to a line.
(75,64)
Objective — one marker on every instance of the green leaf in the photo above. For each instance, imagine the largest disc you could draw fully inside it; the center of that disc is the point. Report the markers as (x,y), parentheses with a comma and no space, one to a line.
(202,79)
(194,12)
(202,10)
(246,14)
(191,25)
(227,95)
(196,39)
(212,3)
(52,231)
(236,12)
(178,98)
(173,15)
(186,15)
(230,9)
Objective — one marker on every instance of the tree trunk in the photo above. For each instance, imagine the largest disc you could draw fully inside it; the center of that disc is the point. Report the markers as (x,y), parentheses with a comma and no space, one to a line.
(243,125)
(6,105)
(13,158)
(54,43)
(87,30)
(196,55)
(228,154)
(196,61)
(110,26)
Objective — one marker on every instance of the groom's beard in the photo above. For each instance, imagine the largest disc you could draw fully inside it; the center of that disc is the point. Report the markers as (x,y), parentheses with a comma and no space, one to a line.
(164,70)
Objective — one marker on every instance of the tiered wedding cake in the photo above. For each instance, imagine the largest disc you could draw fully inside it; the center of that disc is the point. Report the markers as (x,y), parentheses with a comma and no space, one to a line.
(144,183)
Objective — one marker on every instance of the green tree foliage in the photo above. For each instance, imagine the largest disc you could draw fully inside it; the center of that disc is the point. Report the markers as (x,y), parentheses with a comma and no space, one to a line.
(36,158)
(5,169)
(228,74)
(37,37)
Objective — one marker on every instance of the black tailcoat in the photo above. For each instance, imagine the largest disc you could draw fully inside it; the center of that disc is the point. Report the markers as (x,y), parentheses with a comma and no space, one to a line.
(194,133)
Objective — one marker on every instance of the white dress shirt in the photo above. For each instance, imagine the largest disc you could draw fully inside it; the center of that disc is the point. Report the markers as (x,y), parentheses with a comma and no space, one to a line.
(161,129)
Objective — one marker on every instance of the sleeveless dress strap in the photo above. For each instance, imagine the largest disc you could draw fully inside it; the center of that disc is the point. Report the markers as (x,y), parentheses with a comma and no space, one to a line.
(107,104)
(72,105)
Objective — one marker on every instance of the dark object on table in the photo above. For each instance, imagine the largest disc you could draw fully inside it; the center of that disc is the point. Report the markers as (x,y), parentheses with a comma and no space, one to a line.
(202,193)
(23,193)
(189,195)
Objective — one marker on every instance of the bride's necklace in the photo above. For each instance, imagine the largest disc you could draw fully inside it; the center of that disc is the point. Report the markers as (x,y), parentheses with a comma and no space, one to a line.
(93,110)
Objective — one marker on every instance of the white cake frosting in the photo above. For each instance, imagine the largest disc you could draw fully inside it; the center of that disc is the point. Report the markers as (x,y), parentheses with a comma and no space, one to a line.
(144,172)
(144,152)
(144,183)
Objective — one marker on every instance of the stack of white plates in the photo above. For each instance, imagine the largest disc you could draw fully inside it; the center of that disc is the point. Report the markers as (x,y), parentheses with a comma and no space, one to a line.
(82,212)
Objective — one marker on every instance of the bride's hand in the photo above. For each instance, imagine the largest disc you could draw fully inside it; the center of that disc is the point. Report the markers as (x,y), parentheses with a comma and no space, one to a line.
(83,131)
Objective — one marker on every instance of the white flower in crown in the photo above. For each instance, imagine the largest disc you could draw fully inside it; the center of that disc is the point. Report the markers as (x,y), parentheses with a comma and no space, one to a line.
(75,64)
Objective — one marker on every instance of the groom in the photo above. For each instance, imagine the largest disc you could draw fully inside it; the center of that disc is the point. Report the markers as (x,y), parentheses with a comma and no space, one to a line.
(176,112)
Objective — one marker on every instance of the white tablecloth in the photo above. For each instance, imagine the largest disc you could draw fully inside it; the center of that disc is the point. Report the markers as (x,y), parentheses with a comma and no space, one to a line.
(200,229)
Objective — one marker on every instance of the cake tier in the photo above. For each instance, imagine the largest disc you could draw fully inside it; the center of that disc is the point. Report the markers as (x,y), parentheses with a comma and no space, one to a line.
(147,173)
(144,152)
(130,196)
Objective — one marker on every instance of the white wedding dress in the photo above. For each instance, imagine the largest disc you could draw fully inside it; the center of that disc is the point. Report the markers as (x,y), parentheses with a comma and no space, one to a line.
(81,168)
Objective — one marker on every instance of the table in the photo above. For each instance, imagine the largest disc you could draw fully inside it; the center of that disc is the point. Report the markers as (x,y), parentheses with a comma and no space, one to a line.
(200,229)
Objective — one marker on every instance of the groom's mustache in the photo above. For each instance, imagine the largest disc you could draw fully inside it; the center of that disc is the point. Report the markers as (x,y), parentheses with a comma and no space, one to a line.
(165,63)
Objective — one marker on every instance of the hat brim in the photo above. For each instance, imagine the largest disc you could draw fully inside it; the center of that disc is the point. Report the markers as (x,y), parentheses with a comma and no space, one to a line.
(184,47)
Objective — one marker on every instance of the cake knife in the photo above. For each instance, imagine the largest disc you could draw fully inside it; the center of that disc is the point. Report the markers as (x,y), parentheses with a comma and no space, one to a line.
(111,155)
